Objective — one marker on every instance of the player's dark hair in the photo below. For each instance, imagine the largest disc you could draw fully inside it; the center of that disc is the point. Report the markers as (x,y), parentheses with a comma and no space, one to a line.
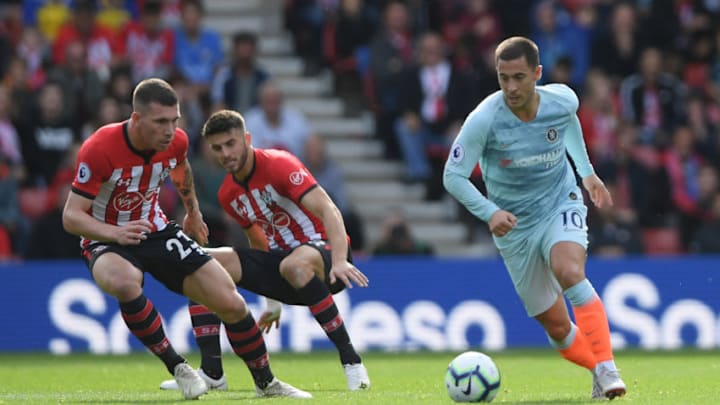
(517,47)
(153,91)
(223,121)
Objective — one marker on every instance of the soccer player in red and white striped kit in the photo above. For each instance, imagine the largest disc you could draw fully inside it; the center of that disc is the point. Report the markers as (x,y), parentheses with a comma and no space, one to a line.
(114,207)
(299,252)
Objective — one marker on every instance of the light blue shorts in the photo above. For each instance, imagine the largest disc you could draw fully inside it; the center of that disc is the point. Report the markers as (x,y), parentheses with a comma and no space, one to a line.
(527,254)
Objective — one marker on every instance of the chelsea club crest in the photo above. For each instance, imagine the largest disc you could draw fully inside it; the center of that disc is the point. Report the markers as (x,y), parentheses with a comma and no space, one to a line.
(551,135)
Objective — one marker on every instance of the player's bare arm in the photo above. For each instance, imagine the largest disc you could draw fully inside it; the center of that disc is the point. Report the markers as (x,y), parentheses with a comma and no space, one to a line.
(78,221)
(502,222)
(193,223)
(599,194)
(320,204)
(256,237)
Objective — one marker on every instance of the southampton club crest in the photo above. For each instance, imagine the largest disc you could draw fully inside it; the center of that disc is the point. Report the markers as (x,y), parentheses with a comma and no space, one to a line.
(551,135)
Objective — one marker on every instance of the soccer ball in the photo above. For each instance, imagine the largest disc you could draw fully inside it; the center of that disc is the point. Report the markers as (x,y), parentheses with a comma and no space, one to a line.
(472,377)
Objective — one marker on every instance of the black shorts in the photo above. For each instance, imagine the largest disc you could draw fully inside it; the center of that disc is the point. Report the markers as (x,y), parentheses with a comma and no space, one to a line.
(261,272)
(168,255)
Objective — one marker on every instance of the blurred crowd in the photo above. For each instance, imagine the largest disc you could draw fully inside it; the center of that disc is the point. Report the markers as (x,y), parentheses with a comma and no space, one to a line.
(647,74)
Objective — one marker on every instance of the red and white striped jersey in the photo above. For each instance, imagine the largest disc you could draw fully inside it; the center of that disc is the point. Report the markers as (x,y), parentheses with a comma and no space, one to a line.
(271,198)
(123,182)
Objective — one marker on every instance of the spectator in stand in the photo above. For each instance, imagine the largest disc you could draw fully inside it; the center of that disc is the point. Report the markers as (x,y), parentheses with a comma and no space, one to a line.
(13,225)
(82,88)
(652,99)
(275,125)
(46,134)
(192,113)
(12,222)
(697,60)
(120,87)
(683,164)
(6,53)
(146,44)
(436,99)
(617,48)
(170,12)
(613,232)
(329,175)
(9,142)
(346,42)
(18,84)
(108,111)
(198,50)
(391,51)
(209,175)
(305,20)
(48,226)
(51,16)
(641,182)
(714,82)
(704,126)
(397,238)
(115,14)
(706,238)
(558,35)
(599,116)
(472,30)
(34,51)
(98,40)
(235,86)
(11,21)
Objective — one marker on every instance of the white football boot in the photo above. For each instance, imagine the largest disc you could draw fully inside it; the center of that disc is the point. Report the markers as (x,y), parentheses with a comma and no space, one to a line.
(220,384)
(189,382)
(609,382)
(277,388)
(357,376)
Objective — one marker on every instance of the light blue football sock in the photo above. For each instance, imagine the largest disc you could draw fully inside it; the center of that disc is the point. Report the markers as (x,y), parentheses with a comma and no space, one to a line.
(581,293)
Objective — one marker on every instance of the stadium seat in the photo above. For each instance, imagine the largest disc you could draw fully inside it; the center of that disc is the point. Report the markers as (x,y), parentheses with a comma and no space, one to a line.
(662,241)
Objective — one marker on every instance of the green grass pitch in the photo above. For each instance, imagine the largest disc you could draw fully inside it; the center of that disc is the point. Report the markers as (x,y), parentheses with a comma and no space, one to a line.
(528,377)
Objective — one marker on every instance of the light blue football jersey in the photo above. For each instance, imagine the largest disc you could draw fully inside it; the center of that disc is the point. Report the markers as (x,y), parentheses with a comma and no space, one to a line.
(524,164)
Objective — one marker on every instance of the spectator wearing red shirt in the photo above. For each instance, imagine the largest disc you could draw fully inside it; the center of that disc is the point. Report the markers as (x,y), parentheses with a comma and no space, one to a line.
(146,45)
(83,28)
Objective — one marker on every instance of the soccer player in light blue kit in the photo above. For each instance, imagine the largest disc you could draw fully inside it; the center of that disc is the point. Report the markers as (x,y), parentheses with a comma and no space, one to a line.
(534,207)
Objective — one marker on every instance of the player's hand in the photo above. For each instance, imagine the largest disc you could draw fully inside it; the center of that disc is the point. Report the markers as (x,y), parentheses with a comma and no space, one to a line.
(348,274)
(270,316)
(501,223)
(195,227)
(133,232)
(599,194)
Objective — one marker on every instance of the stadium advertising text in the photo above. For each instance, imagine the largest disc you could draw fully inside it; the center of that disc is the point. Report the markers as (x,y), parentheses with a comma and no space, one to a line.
(410,305)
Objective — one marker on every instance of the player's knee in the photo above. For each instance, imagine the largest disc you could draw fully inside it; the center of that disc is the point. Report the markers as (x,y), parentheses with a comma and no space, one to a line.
(123,289)
(296,272)
(231,308)
(557,330)
(569,274)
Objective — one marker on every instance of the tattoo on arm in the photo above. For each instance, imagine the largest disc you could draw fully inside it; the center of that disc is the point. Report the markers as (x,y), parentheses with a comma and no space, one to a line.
(183,182)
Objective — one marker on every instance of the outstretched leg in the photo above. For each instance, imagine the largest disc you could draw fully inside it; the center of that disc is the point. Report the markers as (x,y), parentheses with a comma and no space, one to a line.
(213,286)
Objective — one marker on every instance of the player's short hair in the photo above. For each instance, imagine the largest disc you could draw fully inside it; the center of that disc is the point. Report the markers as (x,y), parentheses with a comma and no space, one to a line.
(517,47)
(153,90)
(223,121)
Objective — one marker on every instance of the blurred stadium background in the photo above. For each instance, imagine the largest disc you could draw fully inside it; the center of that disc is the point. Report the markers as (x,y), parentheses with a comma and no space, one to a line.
(328,80)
